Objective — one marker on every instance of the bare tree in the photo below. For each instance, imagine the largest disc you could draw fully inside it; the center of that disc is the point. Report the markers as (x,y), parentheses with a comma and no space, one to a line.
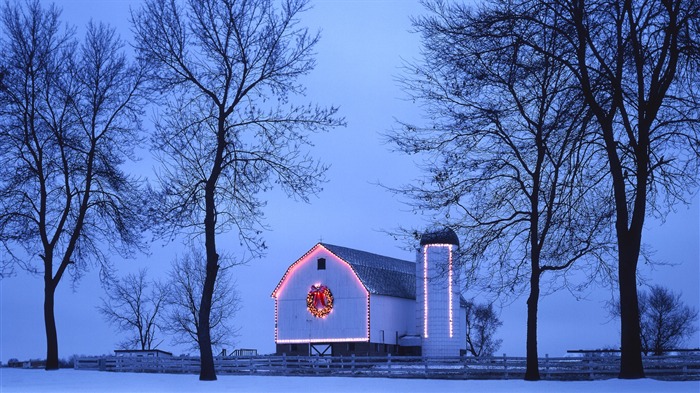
(134,305)
(637,64)
(181,318)
(482,323)
(70,117)
(665,320)
(506,160)
(228,132)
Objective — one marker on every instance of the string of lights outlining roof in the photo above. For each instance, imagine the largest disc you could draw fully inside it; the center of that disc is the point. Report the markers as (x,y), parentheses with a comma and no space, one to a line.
(293,267)
(323,340)
(282,284)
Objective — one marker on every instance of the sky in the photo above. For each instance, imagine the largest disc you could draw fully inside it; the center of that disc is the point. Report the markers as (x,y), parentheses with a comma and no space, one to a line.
(360,55)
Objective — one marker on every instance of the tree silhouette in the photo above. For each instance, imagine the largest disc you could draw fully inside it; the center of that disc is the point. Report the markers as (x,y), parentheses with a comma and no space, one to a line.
(70,117)
(665,320)
(181,318)
(637,65)
(229,131)
(507,162)
(482,323)
(134,305)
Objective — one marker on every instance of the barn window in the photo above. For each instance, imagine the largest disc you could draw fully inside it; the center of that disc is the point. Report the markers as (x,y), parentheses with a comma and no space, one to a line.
(321,263)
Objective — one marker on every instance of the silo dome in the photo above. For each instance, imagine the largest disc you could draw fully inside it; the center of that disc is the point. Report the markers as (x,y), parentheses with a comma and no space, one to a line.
(443,235)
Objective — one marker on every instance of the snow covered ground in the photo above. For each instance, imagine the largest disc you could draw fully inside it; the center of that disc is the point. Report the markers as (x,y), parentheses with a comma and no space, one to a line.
(19,380)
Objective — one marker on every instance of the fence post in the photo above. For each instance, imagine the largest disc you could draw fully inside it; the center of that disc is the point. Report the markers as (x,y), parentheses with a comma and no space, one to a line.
(505,367)
(353,363)
(425,364)
(284,363)
(546,365)
(590,367)
(388,361)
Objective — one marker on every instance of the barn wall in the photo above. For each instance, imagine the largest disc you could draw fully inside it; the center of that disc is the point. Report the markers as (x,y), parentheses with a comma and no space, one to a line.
(348,319)
(391,316)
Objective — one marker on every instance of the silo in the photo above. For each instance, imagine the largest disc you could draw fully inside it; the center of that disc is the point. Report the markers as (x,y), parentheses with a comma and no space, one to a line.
(438,294)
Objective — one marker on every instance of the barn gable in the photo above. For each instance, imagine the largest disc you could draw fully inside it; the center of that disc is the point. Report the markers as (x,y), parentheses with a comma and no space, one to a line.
(341,314)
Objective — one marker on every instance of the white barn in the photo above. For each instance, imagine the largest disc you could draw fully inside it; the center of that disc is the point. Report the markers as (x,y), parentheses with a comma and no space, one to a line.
(338,301)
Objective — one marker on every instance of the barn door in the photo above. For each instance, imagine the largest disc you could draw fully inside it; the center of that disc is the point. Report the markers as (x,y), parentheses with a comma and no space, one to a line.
(321,350)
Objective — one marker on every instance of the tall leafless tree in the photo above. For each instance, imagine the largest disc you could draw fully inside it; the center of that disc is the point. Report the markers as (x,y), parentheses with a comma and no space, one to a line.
(70,117)
(134,305)
(181,318)
(507,164)
(637,64)
(229,131)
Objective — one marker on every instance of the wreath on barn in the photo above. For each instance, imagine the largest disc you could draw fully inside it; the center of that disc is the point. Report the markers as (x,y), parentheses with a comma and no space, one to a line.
(319,301)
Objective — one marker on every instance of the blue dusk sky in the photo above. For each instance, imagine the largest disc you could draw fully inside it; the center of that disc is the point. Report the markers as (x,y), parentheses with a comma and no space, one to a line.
(362,47)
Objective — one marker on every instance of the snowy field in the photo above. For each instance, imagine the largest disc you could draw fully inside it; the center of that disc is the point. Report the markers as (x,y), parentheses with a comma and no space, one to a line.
(18,380)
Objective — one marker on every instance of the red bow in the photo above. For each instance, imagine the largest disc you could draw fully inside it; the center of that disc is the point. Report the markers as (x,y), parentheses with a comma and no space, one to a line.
(319,295)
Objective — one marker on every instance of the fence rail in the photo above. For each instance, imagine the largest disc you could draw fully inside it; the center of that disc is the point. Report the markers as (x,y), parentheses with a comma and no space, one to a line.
(587,367)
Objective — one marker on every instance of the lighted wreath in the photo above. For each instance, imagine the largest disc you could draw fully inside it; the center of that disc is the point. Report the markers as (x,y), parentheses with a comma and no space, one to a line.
(319,301)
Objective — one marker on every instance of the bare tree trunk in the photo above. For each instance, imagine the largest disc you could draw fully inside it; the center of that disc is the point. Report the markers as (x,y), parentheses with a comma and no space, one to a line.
(532,367)
(629,244)
(207,371)
(50,323)
(631,366)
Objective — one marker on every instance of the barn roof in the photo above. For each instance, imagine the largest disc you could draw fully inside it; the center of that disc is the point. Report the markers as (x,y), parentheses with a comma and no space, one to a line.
(381,275)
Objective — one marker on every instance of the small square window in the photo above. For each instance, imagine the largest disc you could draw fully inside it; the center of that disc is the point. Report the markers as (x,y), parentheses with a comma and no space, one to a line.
(321,263)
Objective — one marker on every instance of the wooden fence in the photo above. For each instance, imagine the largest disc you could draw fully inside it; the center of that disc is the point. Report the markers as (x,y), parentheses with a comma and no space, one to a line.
(566,368)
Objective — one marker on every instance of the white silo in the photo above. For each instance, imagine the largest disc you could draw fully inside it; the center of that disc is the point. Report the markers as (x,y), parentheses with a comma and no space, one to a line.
(438,294)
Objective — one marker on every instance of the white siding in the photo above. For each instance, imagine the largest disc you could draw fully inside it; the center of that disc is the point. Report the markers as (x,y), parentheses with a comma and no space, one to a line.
(348,320)
(390,315)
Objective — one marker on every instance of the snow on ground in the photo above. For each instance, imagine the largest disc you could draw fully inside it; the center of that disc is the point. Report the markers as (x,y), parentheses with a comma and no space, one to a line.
(20,380)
